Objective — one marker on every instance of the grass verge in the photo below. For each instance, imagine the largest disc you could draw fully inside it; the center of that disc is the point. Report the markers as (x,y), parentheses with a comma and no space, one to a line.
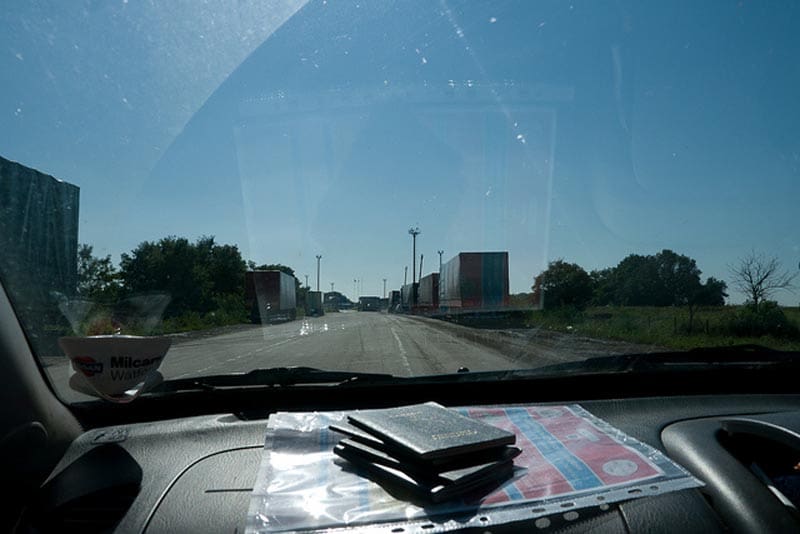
(666,327)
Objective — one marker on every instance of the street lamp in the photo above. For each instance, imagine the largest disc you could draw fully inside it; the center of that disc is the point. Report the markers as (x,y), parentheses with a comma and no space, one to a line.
(306,280)
(319,257)
(414,231)
(440,252)
(384,288)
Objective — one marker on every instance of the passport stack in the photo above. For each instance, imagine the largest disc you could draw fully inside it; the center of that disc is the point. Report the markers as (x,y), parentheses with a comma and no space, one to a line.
(431,452)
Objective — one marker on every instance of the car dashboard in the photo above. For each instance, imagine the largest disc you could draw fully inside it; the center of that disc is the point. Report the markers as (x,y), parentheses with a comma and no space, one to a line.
(196,474)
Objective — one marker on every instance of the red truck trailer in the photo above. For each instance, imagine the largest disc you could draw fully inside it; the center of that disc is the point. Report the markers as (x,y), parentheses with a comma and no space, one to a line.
(428,297)
(474,281)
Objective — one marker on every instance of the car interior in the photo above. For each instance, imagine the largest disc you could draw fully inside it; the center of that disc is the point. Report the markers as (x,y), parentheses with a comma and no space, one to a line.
(189,464)
(314,133)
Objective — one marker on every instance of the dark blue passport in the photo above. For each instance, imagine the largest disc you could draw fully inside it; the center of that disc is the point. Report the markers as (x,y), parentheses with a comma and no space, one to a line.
(355,451)
(430,431)
(425,489)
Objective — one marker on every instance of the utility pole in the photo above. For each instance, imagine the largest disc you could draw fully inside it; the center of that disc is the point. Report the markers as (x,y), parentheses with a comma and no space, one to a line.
(414,231)
(440,260)
(319,257)
(384,288)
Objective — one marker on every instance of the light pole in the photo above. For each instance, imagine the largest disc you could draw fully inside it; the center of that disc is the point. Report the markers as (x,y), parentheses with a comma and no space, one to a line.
(420,265)
(440,252)
(384,288)
(319,257)
(414,231)
(331,287)
(306,280)
(355,289)
(405,275)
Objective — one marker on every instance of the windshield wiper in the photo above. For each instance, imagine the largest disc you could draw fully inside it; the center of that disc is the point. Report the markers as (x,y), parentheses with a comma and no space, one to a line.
(750,356)
(731,355)
(273,377)
(735,356)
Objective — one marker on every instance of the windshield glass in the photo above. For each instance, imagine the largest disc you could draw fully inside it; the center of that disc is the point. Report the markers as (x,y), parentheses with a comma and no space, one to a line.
(504,184)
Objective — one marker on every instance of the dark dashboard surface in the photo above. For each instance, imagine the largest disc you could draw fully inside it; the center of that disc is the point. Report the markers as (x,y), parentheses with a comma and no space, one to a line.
(196,473)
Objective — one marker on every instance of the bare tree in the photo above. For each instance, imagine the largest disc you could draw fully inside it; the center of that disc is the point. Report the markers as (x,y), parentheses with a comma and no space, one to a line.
(758,277)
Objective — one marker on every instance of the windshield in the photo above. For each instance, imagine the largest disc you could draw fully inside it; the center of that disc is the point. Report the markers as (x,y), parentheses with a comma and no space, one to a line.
(504,185)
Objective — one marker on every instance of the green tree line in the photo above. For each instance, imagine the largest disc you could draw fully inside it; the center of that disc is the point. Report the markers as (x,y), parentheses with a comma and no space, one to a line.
(203,282)
(662,279)
(669,279)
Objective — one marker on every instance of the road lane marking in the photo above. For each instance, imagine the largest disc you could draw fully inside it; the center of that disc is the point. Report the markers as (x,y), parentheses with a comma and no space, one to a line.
(249,353)
(402,351)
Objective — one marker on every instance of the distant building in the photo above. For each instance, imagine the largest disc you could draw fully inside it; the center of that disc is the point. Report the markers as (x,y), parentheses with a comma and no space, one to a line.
(39,243)
(39,217)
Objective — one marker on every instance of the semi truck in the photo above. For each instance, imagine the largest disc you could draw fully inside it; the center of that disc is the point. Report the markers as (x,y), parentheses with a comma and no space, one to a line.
(394,301)
(428,295)
(408,297)
(314,304)
(270,296)
(369,304)
(474,281)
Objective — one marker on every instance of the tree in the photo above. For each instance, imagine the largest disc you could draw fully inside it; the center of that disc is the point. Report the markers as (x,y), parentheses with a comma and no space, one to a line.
(678,277)
(759,277)
(98,279)
(225,267)
(636,282)
(712,293)
(562,284)
(603,286)
(196,276)
(663,279)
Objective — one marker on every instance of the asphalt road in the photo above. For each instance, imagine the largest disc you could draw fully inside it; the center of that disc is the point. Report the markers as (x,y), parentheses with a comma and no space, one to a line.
(361,341)
(347,341)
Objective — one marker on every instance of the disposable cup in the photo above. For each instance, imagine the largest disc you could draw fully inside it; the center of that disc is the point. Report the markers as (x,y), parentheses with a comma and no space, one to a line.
(117,367)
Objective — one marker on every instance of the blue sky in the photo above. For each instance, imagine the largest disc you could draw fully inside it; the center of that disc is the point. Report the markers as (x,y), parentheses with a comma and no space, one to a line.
(585,131)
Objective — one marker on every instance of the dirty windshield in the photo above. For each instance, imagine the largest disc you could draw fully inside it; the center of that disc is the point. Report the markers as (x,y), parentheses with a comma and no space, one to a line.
(411,188)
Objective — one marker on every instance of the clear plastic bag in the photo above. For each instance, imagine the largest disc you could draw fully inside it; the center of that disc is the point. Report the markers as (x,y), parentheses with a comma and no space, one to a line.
(570,460)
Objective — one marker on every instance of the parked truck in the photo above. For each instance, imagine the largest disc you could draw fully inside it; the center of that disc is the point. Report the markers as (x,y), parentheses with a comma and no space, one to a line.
(369,304)
(428,295)
(474,281)
(394,301)
(314,304)
(270,296)
(408,297)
